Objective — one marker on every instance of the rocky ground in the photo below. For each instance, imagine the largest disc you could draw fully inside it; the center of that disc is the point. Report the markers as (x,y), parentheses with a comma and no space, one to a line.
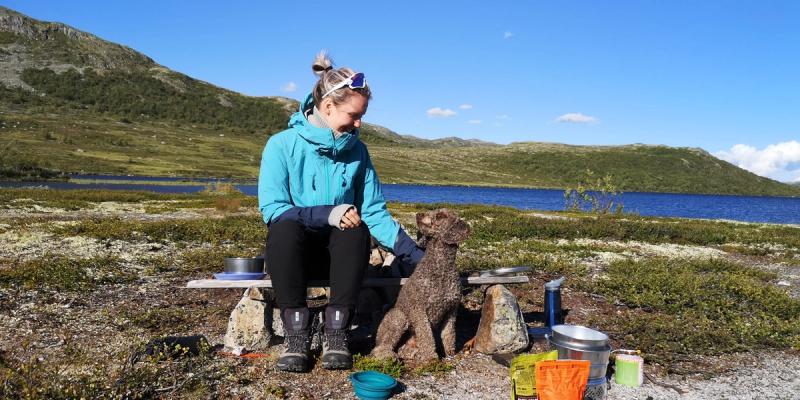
(59,336)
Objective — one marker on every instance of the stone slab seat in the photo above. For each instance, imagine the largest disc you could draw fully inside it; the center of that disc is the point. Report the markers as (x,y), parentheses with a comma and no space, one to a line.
(254,322)
(368,282)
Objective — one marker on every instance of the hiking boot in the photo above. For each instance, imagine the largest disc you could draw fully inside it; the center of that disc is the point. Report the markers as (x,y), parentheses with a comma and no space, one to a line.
(297,340)
(335,351)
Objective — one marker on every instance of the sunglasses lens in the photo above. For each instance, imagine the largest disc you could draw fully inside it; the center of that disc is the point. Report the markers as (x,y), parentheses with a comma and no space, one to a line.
(358,81)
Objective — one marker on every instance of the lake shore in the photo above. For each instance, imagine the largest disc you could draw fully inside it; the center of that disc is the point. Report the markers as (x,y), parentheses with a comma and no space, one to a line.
(87,277)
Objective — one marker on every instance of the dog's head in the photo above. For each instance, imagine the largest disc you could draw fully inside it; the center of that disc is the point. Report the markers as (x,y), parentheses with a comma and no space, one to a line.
(443,224)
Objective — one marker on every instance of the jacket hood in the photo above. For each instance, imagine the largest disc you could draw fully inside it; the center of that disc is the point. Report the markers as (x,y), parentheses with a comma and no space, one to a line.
(322,138)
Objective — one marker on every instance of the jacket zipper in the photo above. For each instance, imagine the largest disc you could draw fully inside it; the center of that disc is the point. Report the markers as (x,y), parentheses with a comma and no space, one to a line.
(328,195)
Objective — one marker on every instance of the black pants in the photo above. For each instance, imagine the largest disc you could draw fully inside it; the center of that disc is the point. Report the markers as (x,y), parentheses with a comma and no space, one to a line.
(296,255)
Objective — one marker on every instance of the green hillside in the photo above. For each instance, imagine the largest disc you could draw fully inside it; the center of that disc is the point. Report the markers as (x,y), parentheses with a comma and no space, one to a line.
(72,102)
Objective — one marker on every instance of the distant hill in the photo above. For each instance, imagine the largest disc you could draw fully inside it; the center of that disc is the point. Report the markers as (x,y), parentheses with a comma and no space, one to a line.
(71,101)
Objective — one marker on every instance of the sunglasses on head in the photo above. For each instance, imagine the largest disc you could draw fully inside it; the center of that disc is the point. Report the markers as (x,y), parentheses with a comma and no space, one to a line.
(357,81)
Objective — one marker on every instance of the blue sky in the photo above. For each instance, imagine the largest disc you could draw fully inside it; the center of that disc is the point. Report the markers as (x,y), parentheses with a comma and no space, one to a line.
(708,74)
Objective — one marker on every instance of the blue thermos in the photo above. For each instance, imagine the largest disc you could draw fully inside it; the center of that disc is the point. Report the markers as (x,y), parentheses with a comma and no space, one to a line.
(552,303)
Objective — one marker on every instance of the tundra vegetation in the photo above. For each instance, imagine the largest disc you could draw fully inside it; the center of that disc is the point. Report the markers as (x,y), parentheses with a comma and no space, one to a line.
(89,277)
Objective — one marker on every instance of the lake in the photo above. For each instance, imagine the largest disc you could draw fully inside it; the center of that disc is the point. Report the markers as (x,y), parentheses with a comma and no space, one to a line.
(783,210)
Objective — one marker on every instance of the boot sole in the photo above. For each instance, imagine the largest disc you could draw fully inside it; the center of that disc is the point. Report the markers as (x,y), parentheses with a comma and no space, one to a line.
(291,368)
(335,365)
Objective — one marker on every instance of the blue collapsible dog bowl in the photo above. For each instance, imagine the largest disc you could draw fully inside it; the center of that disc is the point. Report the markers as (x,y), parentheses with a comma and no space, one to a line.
(372,385)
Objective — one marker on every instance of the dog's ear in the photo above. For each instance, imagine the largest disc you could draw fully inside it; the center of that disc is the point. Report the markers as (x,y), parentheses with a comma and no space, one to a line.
(425,223)
(455,229)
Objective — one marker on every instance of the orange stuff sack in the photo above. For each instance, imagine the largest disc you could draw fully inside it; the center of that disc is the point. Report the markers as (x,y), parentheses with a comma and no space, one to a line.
(562,379)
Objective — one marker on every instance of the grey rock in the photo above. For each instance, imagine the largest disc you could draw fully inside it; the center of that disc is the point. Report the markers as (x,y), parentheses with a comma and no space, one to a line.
(277,323)
(250,323)
(502,329)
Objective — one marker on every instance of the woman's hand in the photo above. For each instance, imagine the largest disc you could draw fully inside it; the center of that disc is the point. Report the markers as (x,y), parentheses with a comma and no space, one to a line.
(350,219)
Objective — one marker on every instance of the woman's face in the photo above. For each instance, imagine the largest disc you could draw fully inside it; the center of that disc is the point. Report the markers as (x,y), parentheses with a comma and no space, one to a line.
(346,116)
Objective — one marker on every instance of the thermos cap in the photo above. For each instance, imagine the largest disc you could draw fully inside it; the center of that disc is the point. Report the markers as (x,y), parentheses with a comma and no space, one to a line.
(555,284)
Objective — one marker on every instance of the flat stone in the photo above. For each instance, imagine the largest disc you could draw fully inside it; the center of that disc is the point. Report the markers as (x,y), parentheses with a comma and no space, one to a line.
(502,328)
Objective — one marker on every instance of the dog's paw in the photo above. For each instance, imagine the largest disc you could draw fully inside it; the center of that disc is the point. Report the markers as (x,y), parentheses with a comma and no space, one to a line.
(384,353)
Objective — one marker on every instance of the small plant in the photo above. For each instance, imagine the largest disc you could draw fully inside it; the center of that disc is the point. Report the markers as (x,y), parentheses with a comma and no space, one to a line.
(437,368)
(275,391)
(594,194)
(389,367)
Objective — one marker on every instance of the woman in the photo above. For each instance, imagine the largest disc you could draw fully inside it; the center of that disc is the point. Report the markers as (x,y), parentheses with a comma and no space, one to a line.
(320,196)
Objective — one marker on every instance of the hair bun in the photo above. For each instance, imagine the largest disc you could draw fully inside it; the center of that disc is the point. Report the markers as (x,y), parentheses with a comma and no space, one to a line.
(322,63)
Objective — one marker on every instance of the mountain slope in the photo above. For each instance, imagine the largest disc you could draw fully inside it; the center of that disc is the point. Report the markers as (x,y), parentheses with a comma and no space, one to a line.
(71,101)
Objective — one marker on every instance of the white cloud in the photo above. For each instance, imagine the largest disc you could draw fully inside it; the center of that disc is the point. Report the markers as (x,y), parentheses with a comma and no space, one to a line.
(502,116)
(289,87)
(465,106)
(474,121)
(437,112)
(507,35)
(577,118)
(779,161)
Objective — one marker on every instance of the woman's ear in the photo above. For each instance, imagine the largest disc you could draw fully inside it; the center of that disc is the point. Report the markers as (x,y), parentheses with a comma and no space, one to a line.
(326,106)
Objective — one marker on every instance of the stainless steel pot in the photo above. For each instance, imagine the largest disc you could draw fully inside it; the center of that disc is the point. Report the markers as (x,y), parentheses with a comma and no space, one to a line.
(238,265)
(579,337)
(575,342)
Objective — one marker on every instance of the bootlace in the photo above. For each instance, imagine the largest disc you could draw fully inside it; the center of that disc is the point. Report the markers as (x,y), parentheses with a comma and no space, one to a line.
(336,339)
(298,342)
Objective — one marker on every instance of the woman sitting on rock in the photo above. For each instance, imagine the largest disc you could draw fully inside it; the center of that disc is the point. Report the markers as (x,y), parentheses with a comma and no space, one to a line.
(316,186)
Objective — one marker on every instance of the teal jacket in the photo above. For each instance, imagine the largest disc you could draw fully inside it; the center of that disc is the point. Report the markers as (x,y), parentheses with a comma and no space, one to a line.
(306,172)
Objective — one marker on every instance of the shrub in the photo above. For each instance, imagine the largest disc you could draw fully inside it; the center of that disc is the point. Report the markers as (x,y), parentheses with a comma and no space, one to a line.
(699,307)
(228,205)
(596,195)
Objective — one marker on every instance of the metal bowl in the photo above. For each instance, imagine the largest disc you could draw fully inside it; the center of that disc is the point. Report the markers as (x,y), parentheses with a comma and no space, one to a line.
(505,271)
(237,265)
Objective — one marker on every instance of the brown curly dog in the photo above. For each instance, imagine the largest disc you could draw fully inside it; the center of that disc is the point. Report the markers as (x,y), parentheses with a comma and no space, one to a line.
(429,300)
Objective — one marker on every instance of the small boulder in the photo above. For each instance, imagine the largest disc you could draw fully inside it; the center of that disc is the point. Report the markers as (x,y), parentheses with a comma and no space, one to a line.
(250,323)
(502,329)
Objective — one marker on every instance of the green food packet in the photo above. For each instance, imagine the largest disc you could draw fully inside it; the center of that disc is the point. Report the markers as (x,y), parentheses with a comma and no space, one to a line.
(523,374)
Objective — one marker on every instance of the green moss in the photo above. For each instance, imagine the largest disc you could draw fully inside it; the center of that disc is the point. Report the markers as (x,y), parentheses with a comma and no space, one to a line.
(82,198)
(389,367)
(65,273)
(437,368)
(246,231)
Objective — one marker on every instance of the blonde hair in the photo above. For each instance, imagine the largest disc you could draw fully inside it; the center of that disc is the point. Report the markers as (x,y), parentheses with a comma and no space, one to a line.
(330,77)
